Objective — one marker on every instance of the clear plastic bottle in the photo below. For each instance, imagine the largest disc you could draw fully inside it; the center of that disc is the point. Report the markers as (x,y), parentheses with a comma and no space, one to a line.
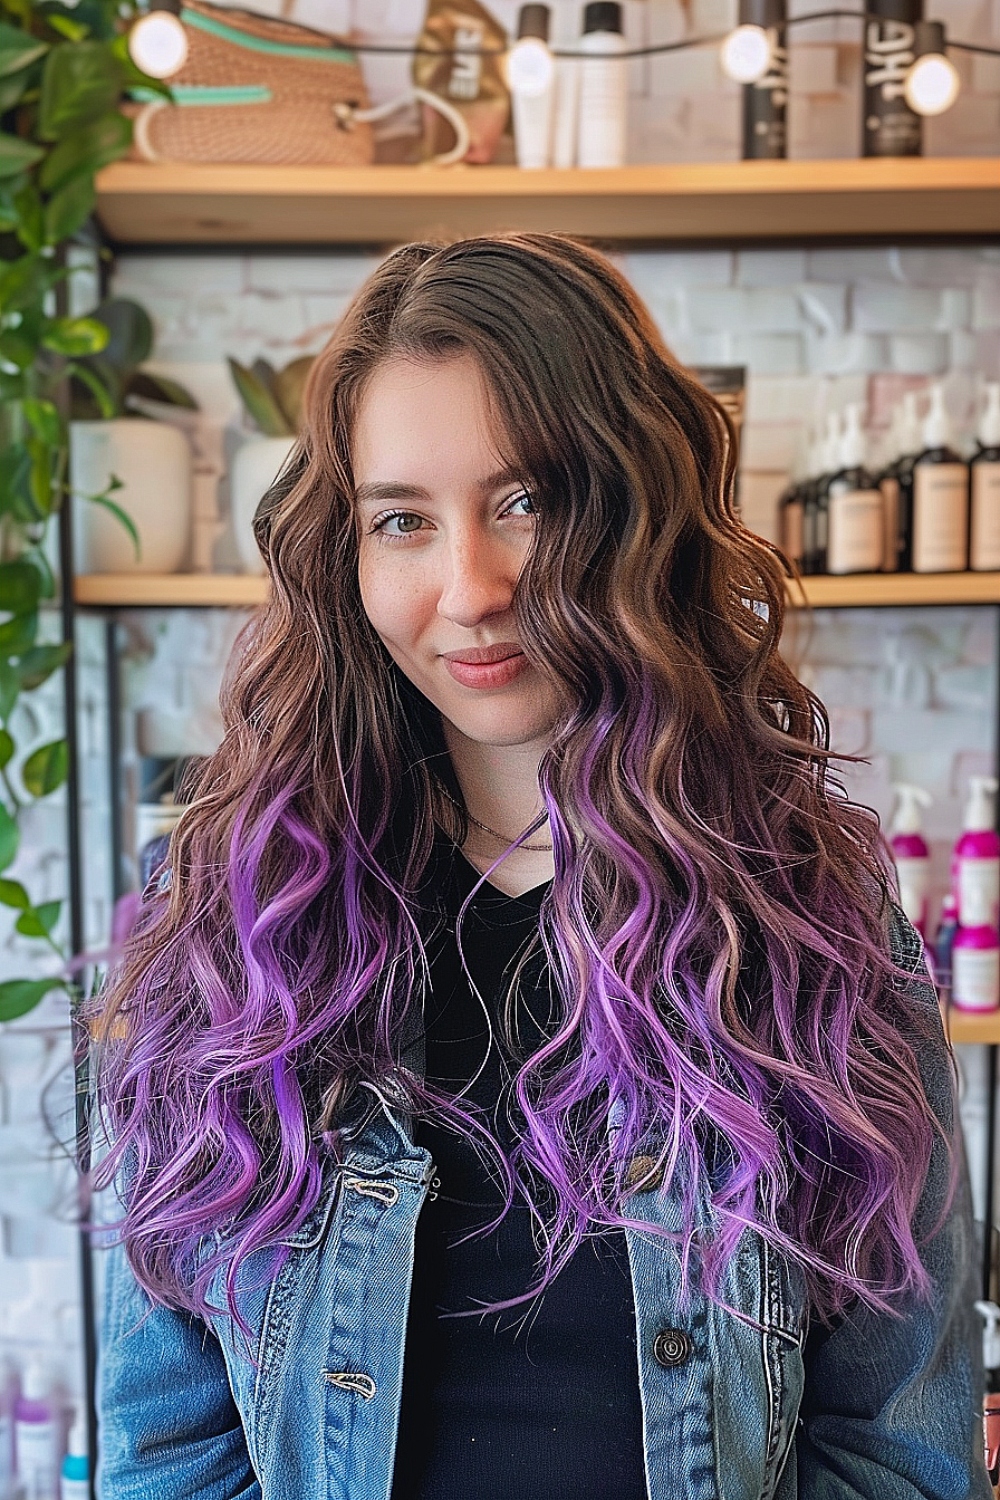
(984,469)
(940,497)
(8,1397)
(74,1477)
(35,1434)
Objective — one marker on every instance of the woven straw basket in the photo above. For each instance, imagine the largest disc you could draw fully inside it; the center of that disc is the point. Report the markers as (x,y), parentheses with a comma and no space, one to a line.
(259,90)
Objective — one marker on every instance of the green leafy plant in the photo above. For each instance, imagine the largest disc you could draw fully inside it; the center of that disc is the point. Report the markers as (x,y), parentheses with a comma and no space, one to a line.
(272,398)
(63,73)
(108,383)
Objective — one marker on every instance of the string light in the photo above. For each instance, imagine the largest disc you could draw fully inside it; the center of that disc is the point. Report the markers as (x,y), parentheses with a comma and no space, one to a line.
(158,43)
(932,82)
(746,54)
(530,67)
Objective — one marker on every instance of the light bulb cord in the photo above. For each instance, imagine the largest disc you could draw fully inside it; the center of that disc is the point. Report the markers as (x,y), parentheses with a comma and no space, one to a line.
(654,50)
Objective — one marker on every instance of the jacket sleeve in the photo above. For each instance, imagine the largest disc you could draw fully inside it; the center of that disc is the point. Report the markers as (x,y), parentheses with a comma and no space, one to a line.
(892,1409)
(167,1422)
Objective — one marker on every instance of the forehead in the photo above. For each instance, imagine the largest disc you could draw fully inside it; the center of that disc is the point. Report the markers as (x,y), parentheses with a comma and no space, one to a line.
(426,416)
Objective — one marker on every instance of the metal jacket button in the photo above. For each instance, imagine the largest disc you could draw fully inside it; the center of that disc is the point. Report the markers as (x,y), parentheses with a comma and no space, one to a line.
(643,1174)
(671,1347)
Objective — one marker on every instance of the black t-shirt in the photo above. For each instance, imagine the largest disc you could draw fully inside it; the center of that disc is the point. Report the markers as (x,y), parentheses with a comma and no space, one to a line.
(539,1401)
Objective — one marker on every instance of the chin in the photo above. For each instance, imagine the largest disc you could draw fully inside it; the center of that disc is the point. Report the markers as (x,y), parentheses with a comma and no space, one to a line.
(503,727)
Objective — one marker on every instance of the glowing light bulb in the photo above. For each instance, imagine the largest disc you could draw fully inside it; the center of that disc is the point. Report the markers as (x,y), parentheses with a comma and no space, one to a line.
(530,67)
(157,44)
(932,84)
(746,54)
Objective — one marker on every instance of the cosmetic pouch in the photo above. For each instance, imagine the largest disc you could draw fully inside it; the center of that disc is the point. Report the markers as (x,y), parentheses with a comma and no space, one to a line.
(256,89)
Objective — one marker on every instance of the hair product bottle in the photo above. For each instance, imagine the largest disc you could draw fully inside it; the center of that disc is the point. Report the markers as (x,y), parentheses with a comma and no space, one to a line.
(854,501)
(74,1477)
(791,507)
(944,942)
(896,484)
(975,969)
(829,466)
(977,857)
(601,119)
(911,853)
(984,471)
(34,1434)
(8,1396)
(765,103)
(532,89)
(807,490)
(889,126)
(940,497)
(567,109)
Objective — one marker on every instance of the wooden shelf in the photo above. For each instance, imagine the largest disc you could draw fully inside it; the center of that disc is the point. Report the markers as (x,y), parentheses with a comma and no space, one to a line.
(862,591)
(114,590)
(187,203)
(868,590)
(965,1027)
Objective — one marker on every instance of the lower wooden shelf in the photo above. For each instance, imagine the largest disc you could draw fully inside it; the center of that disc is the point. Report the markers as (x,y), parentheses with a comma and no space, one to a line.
(860,591)
(205,590)
(964,1026)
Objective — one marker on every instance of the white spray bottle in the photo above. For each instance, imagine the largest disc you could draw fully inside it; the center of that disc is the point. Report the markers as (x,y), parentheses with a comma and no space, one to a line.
(911,853)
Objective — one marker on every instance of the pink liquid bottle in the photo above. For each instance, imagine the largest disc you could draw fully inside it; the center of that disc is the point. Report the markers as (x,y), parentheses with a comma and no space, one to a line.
(975,969)
(911,853)
(977,857)
(975,982)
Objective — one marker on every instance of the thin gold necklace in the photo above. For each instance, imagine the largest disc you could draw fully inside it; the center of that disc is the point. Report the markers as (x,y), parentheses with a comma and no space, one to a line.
(501,836)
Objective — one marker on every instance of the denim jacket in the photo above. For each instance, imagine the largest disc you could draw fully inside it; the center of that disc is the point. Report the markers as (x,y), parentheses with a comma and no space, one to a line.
(871,1409)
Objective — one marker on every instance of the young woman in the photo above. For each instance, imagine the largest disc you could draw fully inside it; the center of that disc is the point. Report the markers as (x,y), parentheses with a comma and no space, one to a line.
(520,1081)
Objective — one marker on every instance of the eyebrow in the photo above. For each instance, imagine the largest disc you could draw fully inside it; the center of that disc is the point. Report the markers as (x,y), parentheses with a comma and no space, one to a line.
(395,489)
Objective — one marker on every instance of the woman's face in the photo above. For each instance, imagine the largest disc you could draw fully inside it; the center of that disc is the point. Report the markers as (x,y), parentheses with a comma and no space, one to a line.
(442,538)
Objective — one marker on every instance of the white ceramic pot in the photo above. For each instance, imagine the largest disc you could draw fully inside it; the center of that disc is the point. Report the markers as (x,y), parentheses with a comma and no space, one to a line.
(256,464)
(153,461)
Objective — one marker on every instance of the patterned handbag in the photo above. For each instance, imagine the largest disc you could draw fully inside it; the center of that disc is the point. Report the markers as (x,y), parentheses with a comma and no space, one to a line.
(256,89)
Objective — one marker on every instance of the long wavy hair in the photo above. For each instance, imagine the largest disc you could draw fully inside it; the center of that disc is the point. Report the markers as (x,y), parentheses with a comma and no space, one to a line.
(716,928)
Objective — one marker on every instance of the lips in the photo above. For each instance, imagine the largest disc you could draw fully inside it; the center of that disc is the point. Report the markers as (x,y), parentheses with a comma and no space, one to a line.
(482,656)
(488,675)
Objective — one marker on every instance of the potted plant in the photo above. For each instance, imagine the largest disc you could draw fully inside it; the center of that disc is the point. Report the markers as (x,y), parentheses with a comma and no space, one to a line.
(272,400)
(151,460)
(63,74)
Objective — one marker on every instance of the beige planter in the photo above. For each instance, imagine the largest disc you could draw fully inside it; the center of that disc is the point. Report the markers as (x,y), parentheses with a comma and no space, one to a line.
(256,464)
(153,461)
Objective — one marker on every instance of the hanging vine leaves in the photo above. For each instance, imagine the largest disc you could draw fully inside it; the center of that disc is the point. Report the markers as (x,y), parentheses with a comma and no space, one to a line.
(63,78)
(45,768)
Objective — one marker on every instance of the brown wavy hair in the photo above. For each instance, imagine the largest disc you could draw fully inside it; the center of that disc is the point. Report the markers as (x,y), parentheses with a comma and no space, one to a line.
(717,923)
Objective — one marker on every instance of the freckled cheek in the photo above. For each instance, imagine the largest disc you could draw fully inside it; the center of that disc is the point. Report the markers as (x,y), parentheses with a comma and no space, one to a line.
(398,604)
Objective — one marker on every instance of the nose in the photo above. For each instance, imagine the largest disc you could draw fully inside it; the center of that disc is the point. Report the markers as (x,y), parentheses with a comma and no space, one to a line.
(479,580)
